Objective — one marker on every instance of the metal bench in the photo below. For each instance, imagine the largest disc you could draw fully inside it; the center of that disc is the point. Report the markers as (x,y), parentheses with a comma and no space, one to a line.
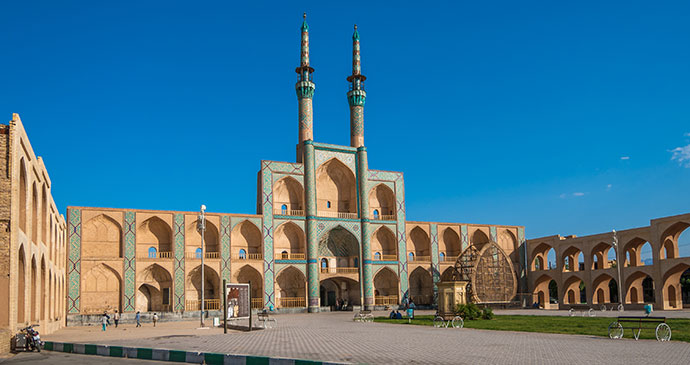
(266,320)
(448,320)
(584,308)
(637,324)
(364,316)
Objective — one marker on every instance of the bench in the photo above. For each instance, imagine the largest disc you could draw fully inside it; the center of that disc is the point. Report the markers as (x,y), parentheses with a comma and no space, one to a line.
(266,320)
(363,316)
(637,324)
(584,308)
(445,320)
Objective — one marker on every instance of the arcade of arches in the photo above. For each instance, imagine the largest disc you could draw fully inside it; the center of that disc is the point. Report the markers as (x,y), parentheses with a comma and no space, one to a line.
(655,267)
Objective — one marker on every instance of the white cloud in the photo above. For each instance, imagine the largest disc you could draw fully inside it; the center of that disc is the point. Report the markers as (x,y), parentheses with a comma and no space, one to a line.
(681,155)
(625,157)
(687,134)
(608,187)
(578,194)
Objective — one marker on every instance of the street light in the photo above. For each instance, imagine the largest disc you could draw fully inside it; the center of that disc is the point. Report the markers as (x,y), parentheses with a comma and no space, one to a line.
(618,268)
(201,227)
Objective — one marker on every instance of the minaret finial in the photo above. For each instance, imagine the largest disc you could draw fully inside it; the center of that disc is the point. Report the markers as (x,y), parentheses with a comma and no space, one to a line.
(356,96)
(305,86)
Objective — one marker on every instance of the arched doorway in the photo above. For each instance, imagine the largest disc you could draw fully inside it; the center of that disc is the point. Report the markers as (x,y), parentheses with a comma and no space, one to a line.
(419,245)
(291,288)
(289,242)
(211,289)
(421,287)
(248,274)
(382,203)
(155,289)
(339,293)
(386,287)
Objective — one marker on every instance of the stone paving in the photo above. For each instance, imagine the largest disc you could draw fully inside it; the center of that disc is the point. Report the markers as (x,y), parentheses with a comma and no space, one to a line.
(335,337)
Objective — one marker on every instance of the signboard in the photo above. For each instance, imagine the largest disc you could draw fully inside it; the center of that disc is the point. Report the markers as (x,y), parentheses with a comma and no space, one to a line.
(238,301)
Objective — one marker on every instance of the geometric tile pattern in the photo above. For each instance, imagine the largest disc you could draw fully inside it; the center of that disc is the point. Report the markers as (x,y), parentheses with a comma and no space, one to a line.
(347,158)
(492,234)
(435,270)
(178,262)
(130,238)
(464,237)
(268,168)
(375,176)
(225,248)
(523,254)
(74,259)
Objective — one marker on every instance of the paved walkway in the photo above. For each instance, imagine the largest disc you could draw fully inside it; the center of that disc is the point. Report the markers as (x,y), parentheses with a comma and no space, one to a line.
(335,337)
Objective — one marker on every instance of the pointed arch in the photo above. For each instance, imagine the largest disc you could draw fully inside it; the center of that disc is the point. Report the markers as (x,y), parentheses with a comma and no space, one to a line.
(212,286)
(102,238)
(599,256)
(571,259)
(291,288)
(382,199)
(419,244)
(248,274)
(154,232)
(669,240)
(386,285)
(450,244)
(600,288)
(672,286)
(638,288)
(335,189)
(571,290)
(508,243)
(288,197)
(479,239)
(193,237)
(34,289)
(247,236)
(541,293)
(289,242)
(448,274)
(44,217)
(383,242)
(101,290)
(23,187)
(21,285)
(34,215)
(421,286)
(43,296)
(633,252)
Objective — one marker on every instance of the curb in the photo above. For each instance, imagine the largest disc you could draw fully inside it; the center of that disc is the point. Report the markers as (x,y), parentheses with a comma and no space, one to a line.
(172,355)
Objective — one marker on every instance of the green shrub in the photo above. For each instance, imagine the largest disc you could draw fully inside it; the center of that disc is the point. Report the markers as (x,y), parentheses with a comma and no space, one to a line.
(487,313)
(468,311)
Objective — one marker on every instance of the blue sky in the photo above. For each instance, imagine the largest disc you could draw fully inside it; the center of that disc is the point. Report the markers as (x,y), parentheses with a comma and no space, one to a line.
(560,117)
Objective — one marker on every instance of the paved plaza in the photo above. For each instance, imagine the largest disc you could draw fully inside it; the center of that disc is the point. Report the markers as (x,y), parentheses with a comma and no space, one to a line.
(335,337)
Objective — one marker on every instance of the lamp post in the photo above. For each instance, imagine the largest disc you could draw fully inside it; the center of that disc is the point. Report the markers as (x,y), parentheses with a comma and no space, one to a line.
(618,268)
(201,227)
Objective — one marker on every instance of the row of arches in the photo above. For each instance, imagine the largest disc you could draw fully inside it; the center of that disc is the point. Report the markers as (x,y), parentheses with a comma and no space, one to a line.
(450,246)
(674,243)
(639,288)
(102,288)
(36,219)
(102,238)
(336,192)
(40,288)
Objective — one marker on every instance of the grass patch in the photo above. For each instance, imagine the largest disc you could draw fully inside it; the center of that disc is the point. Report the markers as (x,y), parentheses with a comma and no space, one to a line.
(594,326)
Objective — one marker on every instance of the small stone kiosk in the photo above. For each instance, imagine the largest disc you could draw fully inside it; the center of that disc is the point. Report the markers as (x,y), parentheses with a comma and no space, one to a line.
(450,294)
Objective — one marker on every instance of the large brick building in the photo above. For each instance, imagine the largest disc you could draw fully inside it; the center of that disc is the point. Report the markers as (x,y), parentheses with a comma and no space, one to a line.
(32,239)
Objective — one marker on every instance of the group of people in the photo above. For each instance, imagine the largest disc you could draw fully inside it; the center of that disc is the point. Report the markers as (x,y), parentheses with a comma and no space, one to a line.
(105,319)
(395,315)
(341,305)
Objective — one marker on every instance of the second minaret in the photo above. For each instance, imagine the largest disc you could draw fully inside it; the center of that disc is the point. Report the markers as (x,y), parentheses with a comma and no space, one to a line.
(356,96)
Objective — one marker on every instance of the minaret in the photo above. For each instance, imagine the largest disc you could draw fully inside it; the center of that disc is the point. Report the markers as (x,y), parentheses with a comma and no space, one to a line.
(305,153)
(356,96)
(305,88)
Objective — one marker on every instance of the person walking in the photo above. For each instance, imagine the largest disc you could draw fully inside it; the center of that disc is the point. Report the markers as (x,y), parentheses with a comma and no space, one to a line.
(104,320)
(116,317)
(138,319)
(155,319)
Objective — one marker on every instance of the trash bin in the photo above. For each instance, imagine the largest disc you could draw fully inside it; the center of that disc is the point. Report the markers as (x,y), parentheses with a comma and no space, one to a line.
(216,322)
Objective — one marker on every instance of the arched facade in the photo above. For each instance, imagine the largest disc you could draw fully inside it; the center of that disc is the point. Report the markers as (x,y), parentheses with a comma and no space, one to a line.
(101,290)
(291,288)
(421,287)
(336,190)
(289,242)
(419,245)
(288,197)
(381,203)
(384,244)
(246,236)
(102,238)
(450,245)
